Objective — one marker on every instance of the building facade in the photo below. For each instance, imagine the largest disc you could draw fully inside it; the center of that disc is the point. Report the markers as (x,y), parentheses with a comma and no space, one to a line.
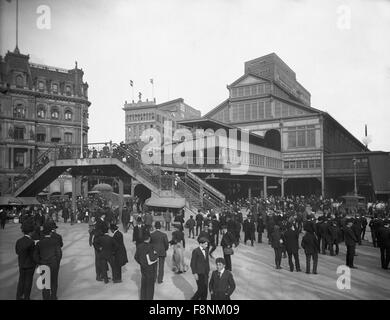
(267,100)
(143,115)
(39,106)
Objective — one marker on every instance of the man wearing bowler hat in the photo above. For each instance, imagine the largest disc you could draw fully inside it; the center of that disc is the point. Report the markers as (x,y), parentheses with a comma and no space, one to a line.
(47,252)
(120,254)
(24,249)
(159,241)
(200,268)
(350,241)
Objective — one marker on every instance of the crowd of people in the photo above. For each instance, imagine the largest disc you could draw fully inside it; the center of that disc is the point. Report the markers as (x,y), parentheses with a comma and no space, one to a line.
(316,225)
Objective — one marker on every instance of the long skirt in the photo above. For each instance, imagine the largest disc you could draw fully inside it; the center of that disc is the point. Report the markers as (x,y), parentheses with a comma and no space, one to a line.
(178,264)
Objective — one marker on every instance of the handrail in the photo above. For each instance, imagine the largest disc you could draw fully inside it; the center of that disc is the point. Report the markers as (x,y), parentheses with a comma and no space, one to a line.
(206,185)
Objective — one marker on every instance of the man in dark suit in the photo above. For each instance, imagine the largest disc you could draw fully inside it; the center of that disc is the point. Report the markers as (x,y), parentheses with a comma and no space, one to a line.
(350,241)
(57,237)
(47,252)
(106,247)
(291,242)
(146,258)
(139,231)
(120,254)
(312,247)
(199,222)
(159,242)
(126,218)
(384,244)
(200,269)
(222,282)
(24,249)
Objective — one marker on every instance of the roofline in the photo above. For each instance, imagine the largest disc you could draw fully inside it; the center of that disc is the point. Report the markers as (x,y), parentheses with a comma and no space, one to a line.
(325,114)
(216,108)
(170,102)
(248,74)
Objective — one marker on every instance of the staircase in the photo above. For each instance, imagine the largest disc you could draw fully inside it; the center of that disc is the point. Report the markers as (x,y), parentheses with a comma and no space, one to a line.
(58,158)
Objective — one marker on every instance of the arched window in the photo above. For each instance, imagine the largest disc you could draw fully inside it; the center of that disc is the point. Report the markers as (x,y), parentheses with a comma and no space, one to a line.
(41,86)
(19,111)
(68,115)
(55,114)
(41,113)
(19,81)
(68,91)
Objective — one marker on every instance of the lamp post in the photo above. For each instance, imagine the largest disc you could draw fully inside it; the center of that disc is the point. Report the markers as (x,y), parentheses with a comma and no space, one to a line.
(354,175)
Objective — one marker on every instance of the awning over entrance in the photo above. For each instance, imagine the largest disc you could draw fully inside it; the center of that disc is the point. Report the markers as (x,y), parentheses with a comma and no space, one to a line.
(165,202)
(18,201)
(380,172)
(10,201)
(29,200)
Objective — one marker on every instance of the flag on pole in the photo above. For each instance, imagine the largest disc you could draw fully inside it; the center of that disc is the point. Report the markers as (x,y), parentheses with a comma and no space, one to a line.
(366,130)
(151,81)
(131,83)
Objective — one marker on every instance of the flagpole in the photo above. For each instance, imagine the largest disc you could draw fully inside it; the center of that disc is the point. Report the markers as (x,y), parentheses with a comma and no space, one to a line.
(17,22)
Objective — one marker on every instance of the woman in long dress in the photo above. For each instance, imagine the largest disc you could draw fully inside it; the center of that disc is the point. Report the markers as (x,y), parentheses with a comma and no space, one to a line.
(178,243)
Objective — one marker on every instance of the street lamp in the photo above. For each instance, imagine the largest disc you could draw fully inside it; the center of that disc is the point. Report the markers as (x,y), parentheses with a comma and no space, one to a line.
(354,175)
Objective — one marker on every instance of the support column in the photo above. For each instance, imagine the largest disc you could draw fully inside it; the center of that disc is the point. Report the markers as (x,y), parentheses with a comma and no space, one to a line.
(282,187)
(322,175)
(74,206)
(11,165)
(201,195)
(62,186)
(250,193)
(28,159)
(265,186)
(85,188)
(120,184)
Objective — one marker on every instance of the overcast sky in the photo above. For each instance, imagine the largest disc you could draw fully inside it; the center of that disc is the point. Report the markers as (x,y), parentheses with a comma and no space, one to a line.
(339,50)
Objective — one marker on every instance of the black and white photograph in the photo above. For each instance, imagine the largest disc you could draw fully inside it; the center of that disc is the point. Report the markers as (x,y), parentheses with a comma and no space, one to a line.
(194,150)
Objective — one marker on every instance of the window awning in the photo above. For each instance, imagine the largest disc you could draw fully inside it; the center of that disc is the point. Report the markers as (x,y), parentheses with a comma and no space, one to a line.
(41,130)
(165,202)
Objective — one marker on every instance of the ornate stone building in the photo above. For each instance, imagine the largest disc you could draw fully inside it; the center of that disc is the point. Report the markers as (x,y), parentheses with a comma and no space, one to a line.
(39,106)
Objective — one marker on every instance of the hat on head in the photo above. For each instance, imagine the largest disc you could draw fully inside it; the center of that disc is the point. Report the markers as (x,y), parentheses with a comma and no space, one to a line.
(203,240)
(157,224)
(220,260)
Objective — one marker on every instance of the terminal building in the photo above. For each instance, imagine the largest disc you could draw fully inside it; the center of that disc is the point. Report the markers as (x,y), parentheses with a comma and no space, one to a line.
(295,149)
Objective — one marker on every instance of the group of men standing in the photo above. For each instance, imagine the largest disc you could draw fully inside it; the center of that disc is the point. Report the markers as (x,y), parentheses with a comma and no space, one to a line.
(32,254)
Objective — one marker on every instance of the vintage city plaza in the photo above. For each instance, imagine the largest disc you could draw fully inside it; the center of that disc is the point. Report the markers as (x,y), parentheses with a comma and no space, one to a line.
(268,180)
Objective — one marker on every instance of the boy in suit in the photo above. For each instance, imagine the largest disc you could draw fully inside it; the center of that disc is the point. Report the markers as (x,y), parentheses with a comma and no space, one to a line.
(222,282)
(24,249)
(200,269)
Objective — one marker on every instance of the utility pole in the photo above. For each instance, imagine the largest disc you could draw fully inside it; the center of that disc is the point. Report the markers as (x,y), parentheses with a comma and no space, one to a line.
(354,175)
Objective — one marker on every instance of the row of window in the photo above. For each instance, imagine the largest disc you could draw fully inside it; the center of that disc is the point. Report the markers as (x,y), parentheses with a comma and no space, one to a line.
(20,112)
(247,91)
(264,161)
(18,133)
(300,137)
(302,164)
(54,114)
(41,86)
(145,116)
(256,110)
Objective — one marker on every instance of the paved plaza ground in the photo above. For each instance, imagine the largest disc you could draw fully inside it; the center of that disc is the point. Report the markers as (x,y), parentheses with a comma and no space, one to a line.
(253,269)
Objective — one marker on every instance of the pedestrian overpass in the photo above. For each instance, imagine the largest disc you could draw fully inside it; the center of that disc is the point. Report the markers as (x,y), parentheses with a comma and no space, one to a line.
(123,163)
